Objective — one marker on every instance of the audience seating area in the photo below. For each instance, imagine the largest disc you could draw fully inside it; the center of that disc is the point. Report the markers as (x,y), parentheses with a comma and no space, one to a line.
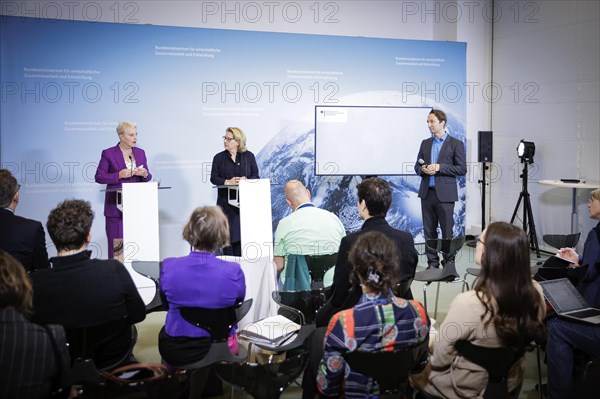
(276,378)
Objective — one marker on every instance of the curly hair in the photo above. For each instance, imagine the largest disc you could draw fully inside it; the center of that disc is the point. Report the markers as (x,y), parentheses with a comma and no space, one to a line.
(207,229)
(15,286)
(69,224)
(505,287)
(375,261)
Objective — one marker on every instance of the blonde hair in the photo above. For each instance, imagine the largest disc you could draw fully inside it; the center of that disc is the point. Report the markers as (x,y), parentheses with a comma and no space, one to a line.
(239,136)
(123,126)
(595,194)
(207,229)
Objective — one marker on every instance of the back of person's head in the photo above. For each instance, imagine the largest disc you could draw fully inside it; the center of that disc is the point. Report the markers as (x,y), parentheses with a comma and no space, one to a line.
(375,261)
(296,193)
(207,229)
(15,287)
(8,188)
(505,279)
(239,136)
(69,224)
(377,195)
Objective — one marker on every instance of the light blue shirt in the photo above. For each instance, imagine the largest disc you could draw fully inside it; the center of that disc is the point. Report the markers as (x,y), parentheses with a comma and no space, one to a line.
(436,147)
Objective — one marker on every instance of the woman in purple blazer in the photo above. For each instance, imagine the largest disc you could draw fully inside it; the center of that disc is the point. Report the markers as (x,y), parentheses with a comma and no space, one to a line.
(198,279)
(123,163)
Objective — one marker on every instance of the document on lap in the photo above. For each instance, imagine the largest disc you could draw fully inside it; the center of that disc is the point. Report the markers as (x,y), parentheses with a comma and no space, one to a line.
(272,331)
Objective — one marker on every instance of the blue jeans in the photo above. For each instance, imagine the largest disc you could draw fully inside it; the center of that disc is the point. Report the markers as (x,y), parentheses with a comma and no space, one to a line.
(563,338)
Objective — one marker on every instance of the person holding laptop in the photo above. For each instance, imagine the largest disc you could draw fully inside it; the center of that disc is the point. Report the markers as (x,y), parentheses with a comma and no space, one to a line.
(564,336)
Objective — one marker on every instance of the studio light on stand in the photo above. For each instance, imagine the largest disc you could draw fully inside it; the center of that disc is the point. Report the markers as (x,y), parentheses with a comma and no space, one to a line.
(526,151)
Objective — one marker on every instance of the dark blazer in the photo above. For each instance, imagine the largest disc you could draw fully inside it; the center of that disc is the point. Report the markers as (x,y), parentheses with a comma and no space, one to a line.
(453,162)
(82,292)
(223,168)
(24,239)
(346,294)
(111,162)
(29,364)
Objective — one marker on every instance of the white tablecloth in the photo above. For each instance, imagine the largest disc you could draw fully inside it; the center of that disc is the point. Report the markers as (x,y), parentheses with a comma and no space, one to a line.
(260,283)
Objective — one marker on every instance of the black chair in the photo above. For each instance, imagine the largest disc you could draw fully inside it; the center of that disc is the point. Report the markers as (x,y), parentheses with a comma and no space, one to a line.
(586,384)
(87,344)
(151,270)
(301,306)
(448,248)
(263,381)
(562,240)
(402,288)
(389,369)
(218,322)
(318,265)
(496,361)
(148,269)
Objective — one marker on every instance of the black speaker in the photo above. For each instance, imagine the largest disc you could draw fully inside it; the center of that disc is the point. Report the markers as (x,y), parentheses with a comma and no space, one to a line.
(484,153)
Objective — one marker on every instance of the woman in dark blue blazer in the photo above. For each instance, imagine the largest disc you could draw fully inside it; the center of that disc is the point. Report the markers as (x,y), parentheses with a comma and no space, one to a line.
(229,166)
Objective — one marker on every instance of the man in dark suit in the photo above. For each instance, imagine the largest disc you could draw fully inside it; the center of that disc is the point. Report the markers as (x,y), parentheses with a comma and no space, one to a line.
(22,238)
(374,200)
(440,160)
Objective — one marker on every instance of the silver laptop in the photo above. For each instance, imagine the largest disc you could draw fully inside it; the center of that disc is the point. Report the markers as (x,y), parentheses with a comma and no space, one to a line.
(568,302)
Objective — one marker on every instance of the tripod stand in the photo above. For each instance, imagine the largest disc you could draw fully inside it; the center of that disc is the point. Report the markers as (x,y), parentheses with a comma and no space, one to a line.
(527,213)
(483,184)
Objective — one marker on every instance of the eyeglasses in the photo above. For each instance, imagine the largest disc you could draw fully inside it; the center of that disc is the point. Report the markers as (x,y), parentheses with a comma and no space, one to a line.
(228,138)
(479,241)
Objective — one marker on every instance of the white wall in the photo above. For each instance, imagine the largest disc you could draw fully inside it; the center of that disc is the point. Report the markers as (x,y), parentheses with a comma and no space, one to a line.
(550,52)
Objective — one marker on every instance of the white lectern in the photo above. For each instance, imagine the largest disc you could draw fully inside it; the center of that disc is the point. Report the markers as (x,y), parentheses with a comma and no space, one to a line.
(256,231)
(140,231)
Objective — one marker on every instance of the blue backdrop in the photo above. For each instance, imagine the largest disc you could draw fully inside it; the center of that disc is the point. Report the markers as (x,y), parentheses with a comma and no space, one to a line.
(65,85)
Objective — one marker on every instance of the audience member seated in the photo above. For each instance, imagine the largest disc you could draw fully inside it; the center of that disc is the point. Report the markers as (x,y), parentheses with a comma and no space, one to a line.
(379,322)
(308,230)
(505,308)
(22,238)
(565,337)
(198,280)
(82,292)
(374,200)
(30,365)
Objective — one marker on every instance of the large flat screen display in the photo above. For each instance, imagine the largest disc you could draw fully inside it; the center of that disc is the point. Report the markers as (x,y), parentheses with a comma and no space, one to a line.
(368,140)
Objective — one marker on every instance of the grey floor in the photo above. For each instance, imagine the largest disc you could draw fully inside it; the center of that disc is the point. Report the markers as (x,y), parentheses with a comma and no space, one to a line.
(146,348)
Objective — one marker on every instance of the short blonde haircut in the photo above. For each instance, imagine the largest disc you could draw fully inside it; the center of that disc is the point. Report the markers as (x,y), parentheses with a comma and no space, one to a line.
(239,136)
(595,194)
(123,126)
(207,229)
